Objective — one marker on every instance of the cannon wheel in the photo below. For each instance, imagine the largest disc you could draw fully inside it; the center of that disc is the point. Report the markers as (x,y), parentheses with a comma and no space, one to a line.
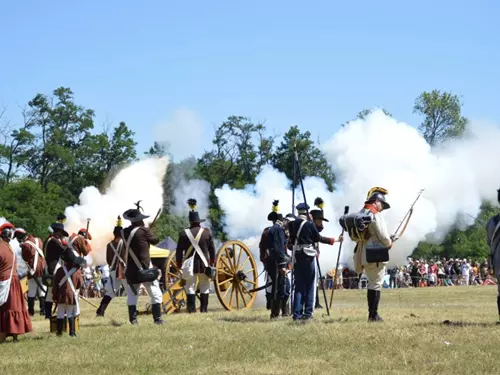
(174,297)
(236,276)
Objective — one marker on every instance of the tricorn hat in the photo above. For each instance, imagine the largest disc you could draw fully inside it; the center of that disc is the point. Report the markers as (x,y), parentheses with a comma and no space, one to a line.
(194,216)
(134,215)
(59,227)
(318,215)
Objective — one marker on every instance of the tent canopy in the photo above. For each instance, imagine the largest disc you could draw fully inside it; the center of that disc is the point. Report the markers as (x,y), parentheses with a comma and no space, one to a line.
(156,252)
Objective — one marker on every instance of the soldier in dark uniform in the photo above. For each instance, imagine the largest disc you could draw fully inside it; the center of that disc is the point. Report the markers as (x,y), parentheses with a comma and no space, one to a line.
(277,263)
(304,238)
(188,238)
(138,238)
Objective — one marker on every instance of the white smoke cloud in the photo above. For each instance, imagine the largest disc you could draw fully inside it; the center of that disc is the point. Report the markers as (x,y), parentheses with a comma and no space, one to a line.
(139,181)
(196,189)
(183,133)
(380,151)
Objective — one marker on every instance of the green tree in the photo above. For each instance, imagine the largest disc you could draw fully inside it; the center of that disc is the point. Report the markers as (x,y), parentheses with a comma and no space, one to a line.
(158,150)
(362,115)
(442,116)
(14,152)
(59,127)
(312,161)
(27,205)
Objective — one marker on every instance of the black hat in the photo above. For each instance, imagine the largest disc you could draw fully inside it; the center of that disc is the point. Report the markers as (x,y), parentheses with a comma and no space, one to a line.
(134,215)
(59,227)
(194,216)
(318,215)
(274,215)
(61,218)
(378,196)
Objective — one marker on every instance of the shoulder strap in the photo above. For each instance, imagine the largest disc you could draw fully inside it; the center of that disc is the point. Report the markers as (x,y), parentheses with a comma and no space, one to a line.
(194,243)
(298,232)
(117,256)
(127,244)
(189,236)
(13,262)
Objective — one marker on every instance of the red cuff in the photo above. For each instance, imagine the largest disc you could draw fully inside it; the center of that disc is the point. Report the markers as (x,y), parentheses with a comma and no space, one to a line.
(332,241)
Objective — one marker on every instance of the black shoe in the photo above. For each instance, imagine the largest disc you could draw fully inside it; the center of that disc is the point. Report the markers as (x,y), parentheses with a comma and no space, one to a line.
(41,301)
(132,314)
(102,307)
(31,306)
(318,306)
(72,327)
(204,303)
(275,308)
(60,326)
(191,303)
(48,310)
(156,310)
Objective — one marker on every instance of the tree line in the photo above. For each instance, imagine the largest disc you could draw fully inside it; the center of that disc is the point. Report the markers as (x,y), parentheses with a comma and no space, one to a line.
(56,151)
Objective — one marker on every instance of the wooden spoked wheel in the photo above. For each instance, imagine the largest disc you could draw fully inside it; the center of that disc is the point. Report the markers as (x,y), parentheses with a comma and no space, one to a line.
(174,297)
(236,276)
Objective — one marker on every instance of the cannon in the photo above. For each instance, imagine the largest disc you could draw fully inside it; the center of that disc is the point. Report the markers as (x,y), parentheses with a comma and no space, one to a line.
(235,281)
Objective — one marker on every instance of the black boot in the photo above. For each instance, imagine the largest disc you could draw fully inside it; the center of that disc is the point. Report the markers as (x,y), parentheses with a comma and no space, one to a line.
(285,308)
(317,305)
(275,308)
(41,301)
(373,301)
(60,325)
(132,314)
(102,307)
(204,303)
(72,327)
(191,303)
(48,310)
(269,300)
(156,310)
(31,306)
(498,305)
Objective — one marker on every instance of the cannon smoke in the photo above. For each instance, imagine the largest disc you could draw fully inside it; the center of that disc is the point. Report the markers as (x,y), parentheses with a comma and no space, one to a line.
(380,151)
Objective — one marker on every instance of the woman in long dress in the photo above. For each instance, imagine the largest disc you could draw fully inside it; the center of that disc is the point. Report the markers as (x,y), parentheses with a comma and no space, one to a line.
(14,318)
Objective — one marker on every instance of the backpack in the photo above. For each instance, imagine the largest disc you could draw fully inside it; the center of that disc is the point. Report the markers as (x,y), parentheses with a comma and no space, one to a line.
(355,225)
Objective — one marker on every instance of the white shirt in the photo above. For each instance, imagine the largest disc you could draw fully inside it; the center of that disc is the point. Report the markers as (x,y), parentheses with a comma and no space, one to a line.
(105,271)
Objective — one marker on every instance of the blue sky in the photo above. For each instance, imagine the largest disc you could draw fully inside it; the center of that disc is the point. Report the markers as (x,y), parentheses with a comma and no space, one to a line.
(165,66)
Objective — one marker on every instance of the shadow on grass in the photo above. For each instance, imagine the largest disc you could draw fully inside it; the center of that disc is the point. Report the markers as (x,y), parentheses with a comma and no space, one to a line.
(450,323)
(244,319)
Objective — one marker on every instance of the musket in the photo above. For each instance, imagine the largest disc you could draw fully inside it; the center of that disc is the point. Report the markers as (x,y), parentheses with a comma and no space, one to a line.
(156,218)
(407,216)
(87,231)
(346,211)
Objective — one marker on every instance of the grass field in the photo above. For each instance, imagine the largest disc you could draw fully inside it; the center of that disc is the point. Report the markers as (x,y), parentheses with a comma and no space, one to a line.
(411,340)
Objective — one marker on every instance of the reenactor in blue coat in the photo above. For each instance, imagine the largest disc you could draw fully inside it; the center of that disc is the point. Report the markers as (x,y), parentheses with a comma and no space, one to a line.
(304,239)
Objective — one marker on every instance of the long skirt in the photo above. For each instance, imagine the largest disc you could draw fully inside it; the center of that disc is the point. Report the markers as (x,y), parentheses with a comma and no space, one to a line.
(14,317)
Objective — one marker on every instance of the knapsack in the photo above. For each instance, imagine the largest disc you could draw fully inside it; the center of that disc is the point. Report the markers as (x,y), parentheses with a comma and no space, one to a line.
(355,225)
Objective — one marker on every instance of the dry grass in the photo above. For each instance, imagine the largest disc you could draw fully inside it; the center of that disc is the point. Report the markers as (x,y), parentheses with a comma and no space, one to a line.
(411,340)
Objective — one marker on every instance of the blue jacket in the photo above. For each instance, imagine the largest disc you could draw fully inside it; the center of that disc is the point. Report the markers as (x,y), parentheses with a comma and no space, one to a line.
(308,235)
(276,243)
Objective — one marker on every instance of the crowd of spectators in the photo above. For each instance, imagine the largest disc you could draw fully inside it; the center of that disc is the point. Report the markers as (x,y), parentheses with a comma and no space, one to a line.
(421,273)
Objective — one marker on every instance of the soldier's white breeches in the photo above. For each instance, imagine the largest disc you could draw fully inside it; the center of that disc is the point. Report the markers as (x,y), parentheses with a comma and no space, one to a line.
(375,275)
(69,310)
(33,288)
(203,284)
(114,285)
(153,289)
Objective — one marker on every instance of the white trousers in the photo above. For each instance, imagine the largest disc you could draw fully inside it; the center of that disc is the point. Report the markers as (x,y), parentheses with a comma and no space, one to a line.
(465,280)
(203,285)
(113,285)
(375,275)
(69,310)
(153,289)
(33,288)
